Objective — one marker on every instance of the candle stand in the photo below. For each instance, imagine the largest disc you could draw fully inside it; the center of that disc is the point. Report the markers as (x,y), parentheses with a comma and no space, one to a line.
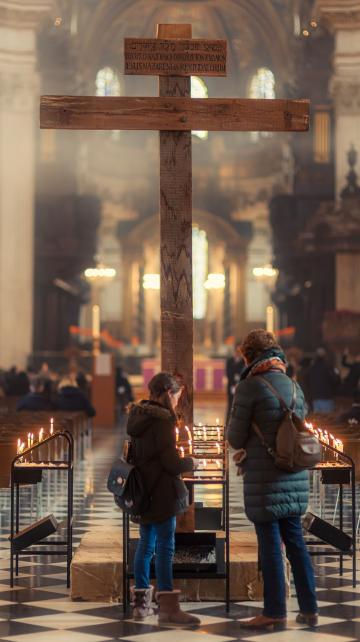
(27,468)
(201,554)
(336,468)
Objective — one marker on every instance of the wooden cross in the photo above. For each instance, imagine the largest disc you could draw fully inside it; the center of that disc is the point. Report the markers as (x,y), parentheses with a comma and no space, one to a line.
(174,56)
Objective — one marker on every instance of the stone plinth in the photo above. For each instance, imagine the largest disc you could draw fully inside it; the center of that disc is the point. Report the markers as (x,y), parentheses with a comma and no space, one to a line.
(96,571)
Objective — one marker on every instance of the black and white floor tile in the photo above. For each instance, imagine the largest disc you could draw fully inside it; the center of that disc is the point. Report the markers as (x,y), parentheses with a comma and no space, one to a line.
(39,609)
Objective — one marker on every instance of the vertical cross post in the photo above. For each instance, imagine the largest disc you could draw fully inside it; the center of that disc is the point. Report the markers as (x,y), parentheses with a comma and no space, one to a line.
(176,237)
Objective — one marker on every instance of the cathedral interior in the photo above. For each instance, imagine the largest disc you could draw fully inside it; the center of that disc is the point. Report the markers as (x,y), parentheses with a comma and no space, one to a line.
(275,240)
(266,206)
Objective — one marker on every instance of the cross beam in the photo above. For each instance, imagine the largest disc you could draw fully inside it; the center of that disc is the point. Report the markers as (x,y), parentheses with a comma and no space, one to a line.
(174,114)
(174,56)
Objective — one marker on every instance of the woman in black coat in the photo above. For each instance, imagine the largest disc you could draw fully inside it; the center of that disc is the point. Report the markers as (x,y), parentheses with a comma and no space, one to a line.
(151,426)
(274,498)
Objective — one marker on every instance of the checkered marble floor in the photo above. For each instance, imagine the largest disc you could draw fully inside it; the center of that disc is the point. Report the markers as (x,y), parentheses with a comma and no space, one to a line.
(39,608)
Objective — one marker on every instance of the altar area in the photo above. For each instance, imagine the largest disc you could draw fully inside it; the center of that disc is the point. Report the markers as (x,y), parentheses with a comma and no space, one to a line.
(209,374)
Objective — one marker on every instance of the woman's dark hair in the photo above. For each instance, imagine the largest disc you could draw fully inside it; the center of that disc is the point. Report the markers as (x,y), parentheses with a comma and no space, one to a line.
(257,342)
(159,387)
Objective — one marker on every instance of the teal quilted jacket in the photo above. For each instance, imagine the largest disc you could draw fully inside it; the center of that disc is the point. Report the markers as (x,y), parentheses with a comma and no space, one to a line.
(269,493)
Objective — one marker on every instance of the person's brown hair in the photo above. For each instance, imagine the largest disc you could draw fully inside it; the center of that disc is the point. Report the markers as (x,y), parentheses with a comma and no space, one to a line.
(257,342)
(160,386)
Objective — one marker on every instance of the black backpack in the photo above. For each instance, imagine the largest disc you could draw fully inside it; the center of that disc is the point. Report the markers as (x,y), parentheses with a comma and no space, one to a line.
(126,483)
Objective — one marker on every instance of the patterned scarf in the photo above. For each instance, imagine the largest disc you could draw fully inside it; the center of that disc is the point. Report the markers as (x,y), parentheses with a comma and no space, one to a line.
(272,359)
(274,363)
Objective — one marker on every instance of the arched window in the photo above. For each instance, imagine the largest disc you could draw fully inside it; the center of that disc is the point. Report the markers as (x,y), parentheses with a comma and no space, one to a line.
(200,271)
(107,82)
(199,90)
(262,85)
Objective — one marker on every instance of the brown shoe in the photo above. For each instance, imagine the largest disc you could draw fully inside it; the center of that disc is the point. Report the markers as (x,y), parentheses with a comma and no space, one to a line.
(311,619)
(170,612)
(263,622)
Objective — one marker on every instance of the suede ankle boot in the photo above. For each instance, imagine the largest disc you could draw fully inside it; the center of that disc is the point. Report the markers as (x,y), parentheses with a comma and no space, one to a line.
(170,612)
(141,602)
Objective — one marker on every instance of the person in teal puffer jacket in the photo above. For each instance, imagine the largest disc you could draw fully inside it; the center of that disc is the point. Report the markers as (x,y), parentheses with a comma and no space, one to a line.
(274,499)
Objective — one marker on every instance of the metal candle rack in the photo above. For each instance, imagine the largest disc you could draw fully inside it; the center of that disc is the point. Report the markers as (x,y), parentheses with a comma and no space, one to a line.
(339,469)
(204,444)
(30,472)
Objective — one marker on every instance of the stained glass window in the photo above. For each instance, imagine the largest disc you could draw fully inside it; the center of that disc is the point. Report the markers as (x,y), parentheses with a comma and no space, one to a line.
(199,90)
(262,85)
(107,82)
(200,271)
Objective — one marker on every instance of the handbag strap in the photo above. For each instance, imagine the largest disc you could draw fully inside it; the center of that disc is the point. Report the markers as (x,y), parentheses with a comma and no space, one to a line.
(284,406)
(263,441)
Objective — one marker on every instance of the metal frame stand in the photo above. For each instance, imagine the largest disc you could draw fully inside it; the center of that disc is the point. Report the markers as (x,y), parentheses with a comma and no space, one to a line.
(17,466)
(223,573)
(344,463)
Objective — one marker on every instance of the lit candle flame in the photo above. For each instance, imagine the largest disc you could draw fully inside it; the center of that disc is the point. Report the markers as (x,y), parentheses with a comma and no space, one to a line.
(218,448)
(188,432)
(218,463)
(217,421)
(41,434)
(204,433)
(182,452)
(29,440)
(190,447)
(51,425)
(177,434)
(18,448)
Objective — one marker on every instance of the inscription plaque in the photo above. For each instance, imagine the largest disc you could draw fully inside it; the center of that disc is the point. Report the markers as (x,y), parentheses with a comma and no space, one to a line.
(178,57)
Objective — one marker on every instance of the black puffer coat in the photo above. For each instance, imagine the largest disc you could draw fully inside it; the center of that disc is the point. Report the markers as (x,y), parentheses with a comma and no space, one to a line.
(269,493)
(152,431)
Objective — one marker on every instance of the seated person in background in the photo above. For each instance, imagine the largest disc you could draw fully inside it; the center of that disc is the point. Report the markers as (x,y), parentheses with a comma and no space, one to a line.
(353,414)
(36,399)
(70,398)
(17,383)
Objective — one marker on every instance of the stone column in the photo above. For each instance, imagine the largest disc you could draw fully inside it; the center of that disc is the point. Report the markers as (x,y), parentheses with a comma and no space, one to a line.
(343,19)
(19,96)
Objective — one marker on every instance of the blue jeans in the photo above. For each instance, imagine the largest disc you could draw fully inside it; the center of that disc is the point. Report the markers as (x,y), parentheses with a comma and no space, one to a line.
(323,405)
(158,539)
(270,536)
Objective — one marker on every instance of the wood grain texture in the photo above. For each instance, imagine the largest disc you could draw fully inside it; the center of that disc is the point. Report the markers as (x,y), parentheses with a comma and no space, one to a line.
(176,248)
(176,252)
(174,57)
(173,113)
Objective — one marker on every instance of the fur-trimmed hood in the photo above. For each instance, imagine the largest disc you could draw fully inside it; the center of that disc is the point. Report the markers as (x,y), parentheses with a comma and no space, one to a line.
(143,414)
